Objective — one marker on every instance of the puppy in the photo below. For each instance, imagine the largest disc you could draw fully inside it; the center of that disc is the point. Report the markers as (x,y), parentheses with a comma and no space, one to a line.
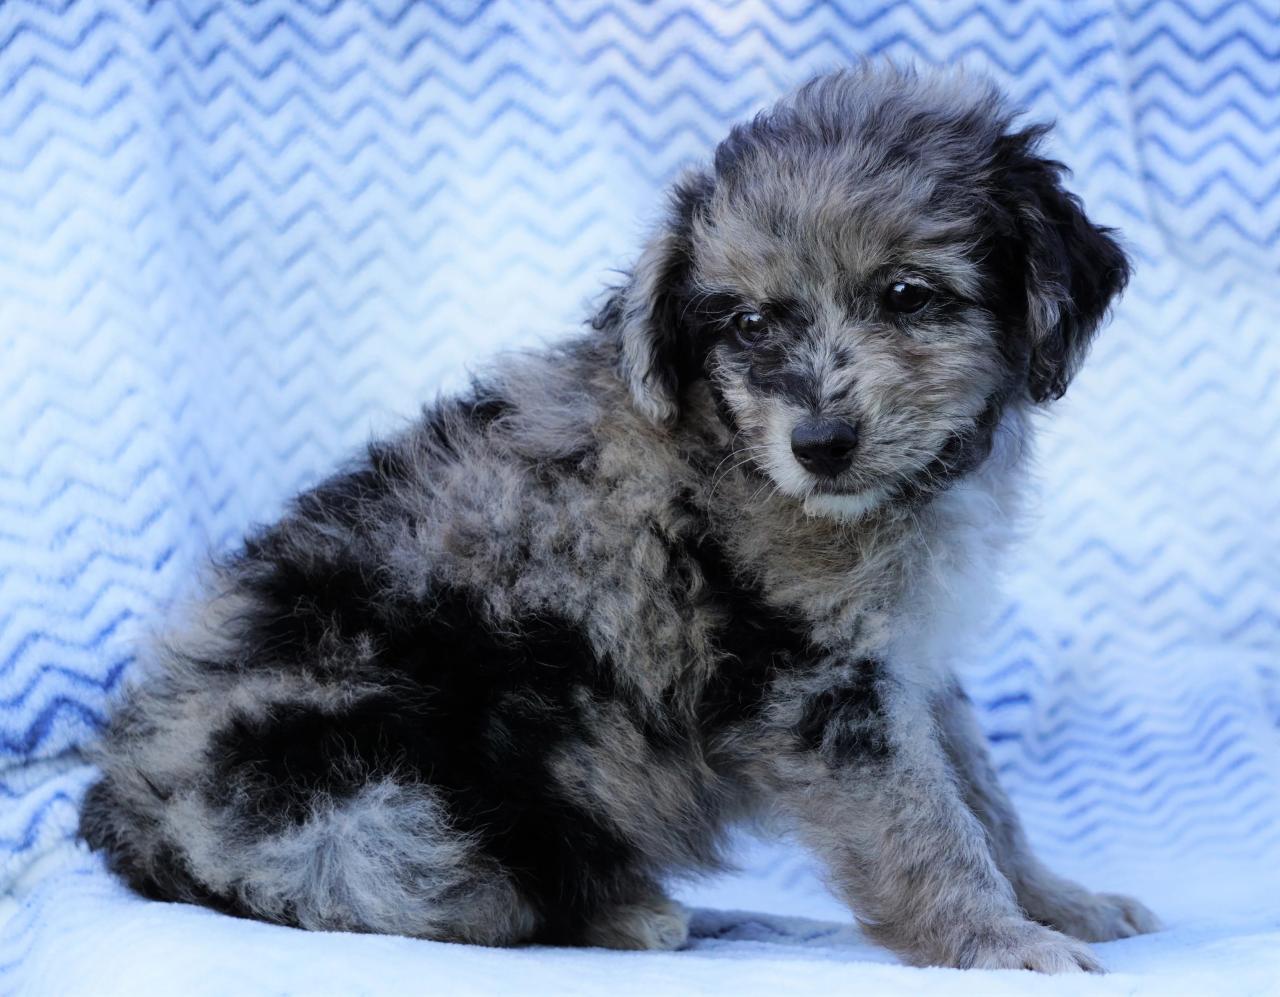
(710,559)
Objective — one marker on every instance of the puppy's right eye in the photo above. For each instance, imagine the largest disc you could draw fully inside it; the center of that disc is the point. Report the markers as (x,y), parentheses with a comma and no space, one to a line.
(906,298)
(749,326)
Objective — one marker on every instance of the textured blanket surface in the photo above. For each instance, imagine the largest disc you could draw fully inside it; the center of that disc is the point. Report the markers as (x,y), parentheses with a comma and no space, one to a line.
(236,239)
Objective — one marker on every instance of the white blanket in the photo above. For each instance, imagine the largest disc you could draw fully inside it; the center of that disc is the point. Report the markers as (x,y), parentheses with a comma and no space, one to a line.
(236,239)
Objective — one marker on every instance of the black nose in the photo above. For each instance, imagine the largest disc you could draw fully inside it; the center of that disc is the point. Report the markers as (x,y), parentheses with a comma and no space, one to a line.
(824,446)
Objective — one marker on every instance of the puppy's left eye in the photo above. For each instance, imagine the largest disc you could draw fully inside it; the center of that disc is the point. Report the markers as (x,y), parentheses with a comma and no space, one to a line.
(749,326)
(904,297)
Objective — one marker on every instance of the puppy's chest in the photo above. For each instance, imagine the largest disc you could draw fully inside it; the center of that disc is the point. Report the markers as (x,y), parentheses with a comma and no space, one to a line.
(765,623)
(841,586)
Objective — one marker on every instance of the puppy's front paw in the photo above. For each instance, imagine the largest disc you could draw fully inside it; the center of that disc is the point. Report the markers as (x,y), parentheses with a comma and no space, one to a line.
(1092,917)
(1026,945)
(1112,915)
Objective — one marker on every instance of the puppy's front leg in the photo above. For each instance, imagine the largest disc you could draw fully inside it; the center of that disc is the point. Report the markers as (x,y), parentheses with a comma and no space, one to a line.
(862,769)
(1044,895)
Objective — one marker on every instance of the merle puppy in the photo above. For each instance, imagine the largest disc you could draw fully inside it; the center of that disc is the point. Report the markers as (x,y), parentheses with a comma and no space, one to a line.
(708,560)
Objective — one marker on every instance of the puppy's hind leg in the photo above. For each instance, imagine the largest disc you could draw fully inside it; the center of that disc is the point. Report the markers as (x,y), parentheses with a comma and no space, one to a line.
(289,802)
(337,829)
(1044,895)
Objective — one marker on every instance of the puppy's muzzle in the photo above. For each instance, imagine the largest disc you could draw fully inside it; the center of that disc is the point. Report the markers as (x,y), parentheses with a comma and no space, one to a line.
(824,446)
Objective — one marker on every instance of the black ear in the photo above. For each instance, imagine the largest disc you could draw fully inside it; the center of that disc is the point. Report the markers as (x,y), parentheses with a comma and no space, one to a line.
(649,312)
(1072,269)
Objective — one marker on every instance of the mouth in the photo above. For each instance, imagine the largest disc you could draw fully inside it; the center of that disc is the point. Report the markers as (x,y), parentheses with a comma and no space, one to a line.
(830,488)
(857,479)
(846,497)
(843,506)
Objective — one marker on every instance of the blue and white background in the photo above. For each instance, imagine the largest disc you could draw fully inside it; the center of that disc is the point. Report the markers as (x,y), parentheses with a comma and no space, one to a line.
(237,238)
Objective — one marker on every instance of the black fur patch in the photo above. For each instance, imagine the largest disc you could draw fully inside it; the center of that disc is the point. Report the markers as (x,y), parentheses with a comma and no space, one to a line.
(296,754)
(768,362)
(771,371)
(845,723)
(1063,259)
(678,357)
(963,452)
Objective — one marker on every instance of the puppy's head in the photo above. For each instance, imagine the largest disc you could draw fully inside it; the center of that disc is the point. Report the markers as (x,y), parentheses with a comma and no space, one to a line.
(869,275)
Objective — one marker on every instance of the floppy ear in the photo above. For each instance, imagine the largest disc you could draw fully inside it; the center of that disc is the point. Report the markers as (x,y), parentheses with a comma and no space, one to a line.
(648,313)
(1073,269)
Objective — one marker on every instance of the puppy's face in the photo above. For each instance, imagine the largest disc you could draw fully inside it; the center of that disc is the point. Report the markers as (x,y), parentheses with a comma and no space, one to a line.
(871,274)
(847,327)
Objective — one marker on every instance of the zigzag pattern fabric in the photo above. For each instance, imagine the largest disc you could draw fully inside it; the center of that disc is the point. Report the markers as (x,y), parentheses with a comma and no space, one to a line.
(237,238)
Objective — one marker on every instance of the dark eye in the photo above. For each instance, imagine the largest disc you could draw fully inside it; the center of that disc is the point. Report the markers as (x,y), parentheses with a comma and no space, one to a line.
(749,326)
(904,297)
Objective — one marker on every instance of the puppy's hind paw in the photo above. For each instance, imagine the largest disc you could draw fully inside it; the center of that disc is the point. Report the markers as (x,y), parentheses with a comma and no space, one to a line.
(1025,945)
(650,924)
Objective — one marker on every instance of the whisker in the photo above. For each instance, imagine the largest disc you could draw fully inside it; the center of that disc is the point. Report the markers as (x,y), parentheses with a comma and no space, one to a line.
(748,455)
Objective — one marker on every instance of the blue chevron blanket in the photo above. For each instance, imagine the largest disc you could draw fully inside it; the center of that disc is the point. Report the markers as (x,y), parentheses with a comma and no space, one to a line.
(236,238)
